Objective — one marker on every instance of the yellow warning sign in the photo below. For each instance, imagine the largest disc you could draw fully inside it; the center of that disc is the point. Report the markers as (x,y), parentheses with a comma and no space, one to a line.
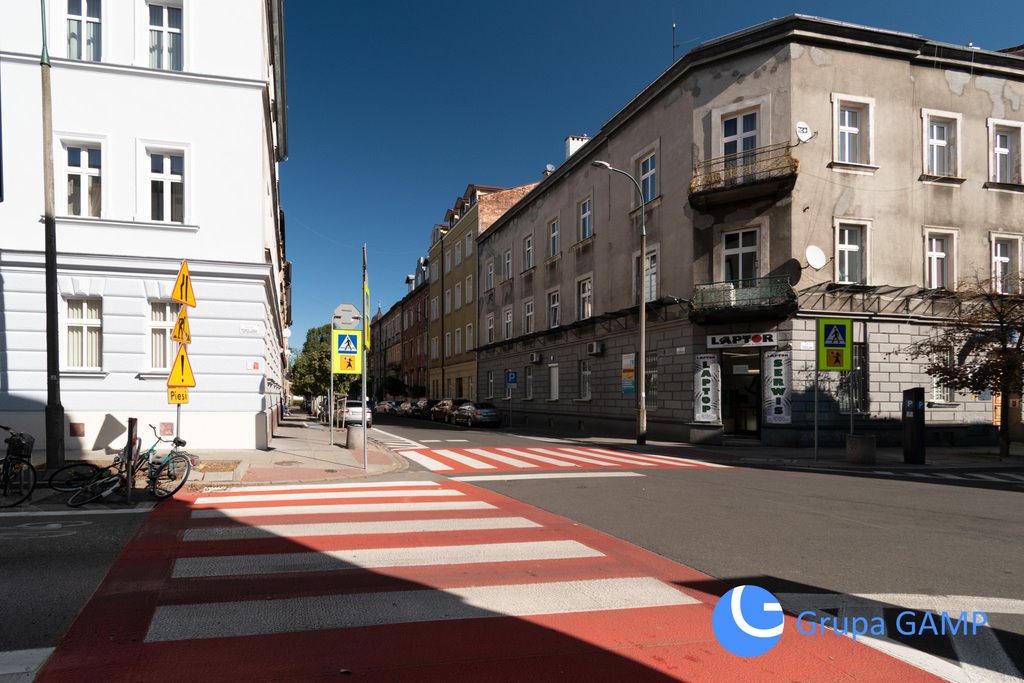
(346,356)
(181,332)
(177,396)
(181,371)
(182,292)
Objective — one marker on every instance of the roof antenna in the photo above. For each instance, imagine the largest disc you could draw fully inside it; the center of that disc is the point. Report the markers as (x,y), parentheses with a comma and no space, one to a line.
(674,43)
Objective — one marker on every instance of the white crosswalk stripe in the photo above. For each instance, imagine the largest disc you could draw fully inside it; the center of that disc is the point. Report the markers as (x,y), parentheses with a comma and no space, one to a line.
(503,458)
(465,460)
(540,458)
(402,526)
(275,511)
(328,495)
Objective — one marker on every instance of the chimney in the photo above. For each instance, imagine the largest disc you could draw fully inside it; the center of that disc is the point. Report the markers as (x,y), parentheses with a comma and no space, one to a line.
(573,143)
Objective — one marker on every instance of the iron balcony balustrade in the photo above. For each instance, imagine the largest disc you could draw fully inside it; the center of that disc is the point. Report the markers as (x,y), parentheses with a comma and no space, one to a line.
(763,172)
(761,298)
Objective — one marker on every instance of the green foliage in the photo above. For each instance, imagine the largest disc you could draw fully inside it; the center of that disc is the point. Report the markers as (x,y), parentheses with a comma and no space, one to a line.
(311,374)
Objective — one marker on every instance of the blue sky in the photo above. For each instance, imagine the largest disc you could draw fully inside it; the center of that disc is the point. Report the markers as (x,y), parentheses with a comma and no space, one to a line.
(394,107)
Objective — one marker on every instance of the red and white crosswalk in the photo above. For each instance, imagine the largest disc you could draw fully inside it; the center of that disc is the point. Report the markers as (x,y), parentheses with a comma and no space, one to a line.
(502,459)
(408,580)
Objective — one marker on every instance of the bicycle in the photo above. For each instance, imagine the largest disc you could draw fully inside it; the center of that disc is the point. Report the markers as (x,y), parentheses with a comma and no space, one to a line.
(164,476)
(17,476)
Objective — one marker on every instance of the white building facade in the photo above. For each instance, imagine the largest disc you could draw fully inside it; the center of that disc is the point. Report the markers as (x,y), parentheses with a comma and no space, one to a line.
(169,121)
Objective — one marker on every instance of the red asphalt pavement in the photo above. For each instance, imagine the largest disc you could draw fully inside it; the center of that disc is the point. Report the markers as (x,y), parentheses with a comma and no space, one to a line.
(122,633)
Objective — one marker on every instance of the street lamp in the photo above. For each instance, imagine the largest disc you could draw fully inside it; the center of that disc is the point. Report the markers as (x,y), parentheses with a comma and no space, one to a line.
(641,427)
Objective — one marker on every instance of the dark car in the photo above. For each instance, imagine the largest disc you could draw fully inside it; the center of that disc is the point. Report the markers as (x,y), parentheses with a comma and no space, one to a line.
(472,414)
(445,409)
(421,408)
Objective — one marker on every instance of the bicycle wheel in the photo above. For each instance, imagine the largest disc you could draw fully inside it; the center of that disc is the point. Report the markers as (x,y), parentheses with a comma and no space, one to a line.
(70,478)
(171,475)
(101,486)
(17,479)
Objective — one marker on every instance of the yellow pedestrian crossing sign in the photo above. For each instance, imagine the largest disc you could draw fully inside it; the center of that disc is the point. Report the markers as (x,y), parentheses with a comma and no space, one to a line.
(181,332)
(346,356)
(181,371)
(835,344)
(182,291)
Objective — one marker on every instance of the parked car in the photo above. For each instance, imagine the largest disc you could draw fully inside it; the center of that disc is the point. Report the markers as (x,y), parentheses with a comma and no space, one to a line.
(404,409)
(472,414)
(353,411)
(384,408)
(423,408)
(445,409)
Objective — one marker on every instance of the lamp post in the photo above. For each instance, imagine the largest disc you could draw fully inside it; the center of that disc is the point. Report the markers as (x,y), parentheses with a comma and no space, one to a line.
(641,427)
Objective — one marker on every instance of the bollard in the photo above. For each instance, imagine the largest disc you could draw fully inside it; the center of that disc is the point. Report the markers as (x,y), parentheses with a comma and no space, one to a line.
(354,436)
(860,449)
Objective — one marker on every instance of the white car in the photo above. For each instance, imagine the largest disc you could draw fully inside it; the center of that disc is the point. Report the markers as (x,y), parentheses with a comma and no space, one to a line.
(354,411)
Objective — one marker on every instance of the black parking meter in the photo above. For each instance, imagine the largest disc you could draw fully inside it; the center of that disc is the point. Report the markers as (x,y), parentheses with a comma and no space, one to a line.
(913,426)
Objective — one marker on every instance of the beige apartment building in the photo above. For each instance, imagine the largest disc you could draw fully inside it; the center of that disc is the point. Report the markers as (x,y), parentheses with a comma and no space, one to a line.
(452,327)
(797,170)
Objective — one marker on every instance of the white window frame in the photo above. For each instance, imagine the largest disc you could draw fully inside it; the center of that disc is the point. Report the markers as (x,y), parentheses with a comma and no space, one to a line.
(458,340)
(469,289)
(650,276)
(434,270)
(166,177)
(528,316)
(433,308)
(458,252)
(88,50)
(490,384)
(458,295)
(447,344)
(448,261)
(85,173)
(469,245)
(840,249)
(85,324)
(759,256)
(761,105)
(507,329)
(1014,152)
(1011,260)
(552,299)
(433,348)
(585,218)
(447,301)
(528,382)
(490,328)
(469,336)
(553,382)
(554,238)
(528,252)
(585,296)
(949,256)
(162,328)
(585,374)
(490,274)
(506,269)
(842,131)
(647,177)
(741,136)
(166,31)
(932,147)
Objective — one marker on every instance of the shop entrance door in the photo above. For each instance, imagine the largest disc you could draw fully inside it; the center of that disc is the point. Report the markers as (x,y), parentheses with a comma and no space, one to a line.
(741,391)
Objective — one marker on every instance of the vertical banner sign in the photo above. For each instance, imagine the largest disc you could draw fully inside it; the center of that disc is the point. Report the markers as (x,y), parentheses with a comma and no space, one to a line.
(835,344)
(777,387)
(628,374)
(707,388)
(346,352)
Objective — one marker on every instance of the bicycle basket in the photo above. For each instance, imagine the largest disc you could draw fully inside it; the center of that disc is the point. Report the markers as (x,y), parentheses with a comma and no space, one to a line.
(20,445)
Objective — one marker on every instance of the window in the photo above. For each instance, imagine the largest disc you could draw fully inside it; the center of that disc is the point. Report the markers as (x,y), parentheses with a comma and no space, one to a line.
(528,316)
(528,382)
(490,328)
(84,334)
(490,274)
(458,295)
(648,177)
(89,20)
(1005,275)
(469,288)
(433,348)
(553,382)
(528,252)
(940,254)
(458,340)
(942,147)
(490,384)
(167,187)
(859,377)
(553,320)
(433,308)
(447,344)
(458,253)
(433,271)
(84,180)
(651,381)
(850,253)
(941,394)
(469,336)
(448,261)
(586,220)
(585,380)
(166,43)
(739,134)
(739,251)
(553,245)
(584,298)
(1006,151)
(447,301)
(162,315)
(506,273)
(506,326)
(648,277)
(469,245)
(851,134)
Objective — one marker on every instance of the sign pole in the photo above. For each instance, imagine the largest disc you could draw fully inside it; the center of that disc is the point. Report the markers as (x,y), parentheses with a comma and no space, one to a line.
(330,396)
(817,344)
(362,349)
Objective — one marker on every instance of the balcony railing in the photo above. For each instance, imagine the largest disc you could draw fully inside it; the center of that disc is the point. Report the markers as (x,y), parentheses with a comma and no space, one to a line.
(772,166)
(760,292)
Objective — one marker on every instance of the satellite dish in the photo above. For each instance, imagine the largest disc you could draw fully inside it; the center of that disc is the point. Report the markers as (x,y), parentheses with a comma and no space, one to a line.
(550,168)
(815,257)
(803,133)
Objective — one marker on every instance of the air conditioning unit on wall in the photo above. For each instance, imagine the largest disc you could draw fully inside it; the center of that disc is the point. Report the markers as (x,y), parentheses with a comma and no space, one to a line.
(535,357)
(595,348)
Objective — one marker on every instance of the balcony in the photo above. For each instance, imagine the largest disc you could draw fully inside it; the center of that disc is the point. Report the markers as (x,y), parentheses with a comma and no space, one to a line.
(763,298)
(761,173)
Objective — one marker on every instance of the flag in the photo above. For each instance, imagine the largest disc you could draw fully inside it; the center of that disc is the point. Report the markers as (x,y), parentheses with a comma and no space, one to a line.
(366,304)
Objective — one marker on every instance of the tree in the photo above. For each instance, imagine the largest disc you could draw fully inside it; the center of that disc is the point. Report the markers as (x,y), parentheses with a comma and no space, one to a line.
(979,348)
(311,374)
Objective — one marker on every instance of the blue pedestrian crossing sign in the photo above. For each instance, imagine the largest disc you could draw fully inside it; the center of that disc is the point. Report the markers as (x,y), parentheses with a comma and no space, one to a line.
(346,358)
(835,344)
